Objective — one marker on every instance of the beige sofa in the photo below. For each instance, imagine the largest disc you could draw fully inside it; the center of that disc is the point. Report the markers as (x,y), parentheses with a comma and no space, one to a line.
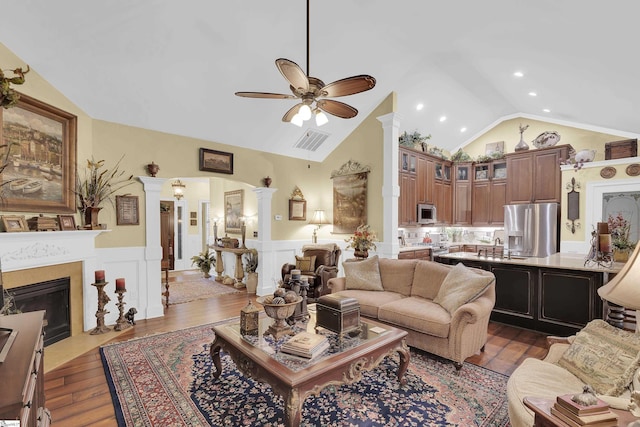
(600,355)
(407,294)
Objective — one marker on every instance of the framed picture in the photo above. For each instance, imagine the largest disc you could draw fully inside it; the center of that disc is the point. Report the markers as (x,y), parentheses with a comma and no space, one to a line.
(216,161)
(233,211)
(14,223)
(67,222)
(41,174)
(297,210)
(127,210)
(494,148)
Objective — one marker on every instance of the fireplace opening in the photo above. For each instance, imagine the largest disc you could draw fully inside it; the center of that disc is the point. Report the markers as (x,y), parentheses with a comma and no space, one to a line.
(52,296)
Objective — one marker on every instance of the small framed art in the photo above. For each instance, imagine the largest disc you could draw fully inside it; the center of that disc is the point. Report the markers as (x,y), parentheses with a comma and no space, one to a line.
(14,223)
(216,161)
(297,210)
(127,210)
(66,222)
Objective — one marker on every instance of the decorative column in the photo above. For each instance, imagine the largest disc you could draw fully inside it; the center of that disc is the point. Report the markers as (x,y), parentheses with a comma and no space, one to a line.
(149,294)
(390,247)
(266,255)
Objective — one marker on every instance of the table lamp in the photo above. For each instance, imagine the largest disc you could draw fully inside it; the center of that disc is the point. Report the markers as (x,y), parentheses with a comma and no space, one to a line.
(318,219)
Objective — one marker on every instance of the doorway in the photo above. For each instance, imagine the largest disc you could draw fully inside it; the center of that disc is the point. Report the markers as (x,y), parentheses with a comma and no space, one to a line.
(167,233)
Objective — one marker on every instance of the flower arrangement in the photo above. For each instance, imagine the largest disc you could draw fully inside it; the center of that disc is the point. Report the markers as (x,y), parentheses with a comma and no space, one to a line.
(363,239)
(99,185)
(619,228)
(204,261)
(413,139)
(251,261)
(8,96)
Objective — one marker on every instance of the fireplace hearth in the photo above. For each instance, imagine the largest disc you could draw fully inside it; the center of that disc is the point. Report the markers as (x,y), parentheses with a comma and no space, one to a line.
(52,296)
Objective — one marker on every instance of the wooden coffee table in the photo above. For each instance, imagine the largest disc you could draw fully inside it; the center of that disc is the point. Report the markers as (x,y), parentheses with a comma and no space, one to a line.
(344,363)
(544,417)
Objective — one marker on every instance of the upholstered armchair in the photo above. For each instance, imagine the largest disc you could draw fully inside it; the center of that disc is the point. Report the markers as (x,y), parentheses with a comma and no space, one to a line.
(319,262)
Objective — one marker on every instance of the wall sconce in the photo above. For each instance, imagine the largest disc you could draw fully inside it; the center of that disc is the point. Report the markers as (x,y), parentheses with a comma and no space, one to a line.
(178,189)
(319,219)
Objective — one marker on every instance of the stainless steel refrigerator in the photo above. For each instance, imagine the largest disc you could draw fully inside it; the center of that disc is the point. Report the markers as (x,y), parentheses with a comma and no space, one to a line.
(531,229)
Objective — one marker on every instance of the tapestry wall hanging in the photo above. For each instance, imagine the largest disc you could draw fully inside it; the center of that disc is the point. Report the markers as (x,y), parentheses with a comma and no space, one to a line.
(349,197)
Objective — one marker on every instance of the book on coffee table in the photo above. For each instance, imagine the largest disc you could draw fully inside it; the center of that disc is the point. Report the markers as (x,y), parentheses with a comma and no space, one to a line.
(306,344)
(605,419)
(565,400)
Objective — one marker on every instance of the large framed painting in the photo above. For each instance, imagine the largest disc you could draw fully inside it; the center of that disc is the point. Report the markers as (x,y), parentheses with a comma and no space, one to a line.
(349,197)
(40,173)
(233,211)
(216,161)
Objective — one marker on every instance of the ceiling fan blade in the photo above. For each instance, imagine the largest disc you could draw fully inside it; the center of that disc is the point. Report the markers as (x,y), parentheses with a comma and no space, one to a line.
(349,86)
(337,108)
(292,112)
(265,95)
(294,75)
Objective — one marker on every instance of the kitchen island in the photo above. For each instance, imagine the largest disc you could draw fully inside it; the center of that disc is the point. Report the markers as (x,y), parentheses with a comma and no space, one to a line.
(555,294)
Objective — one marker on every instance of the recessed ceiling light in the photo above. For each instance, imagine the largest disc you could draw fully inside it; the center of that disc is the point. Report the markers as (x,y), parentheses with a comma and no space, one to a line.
(518,74)
(419,106)
(443,118)
(463,129)
(546,110)
(533,94)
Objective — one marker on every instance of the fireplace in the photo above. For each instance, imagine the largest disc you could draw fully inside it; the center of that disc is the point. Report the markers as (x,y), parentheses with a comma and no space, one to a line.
(52,296)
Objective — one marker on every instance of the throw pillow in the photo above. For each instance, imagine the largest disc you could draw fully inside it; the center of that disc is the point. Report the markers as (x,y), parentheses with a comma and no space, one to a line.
(460,286)
(363,275)
(306,264)
(603,356)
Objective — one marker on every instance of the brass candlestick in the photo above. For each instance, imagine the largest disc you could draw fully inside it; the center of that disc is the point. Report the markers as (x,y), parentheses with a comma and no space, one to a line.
(121,323)
(103,298)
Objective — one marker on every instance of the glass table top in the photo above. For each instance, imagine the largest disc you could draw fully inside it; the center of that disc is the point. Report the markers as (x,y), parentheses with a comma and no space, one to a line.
(266,343)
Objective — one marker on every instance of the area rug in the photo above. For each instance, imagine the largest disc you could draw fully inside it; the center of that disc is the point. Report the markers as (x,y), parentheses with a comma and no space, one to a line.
(165,380)
(195,289)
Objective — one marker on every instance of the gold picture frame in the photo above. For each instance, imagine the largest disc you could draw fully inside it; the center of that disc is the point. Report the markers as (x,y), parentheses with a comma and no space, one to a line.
(14,223)
(297,210)
(66,222)
(42,139)
(127,210)
(233,211)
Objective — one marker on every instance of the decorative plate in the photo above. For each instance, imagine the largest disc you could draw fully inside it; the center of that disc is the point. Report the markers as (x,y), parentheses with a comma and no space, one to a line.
(608,172)
(633,170)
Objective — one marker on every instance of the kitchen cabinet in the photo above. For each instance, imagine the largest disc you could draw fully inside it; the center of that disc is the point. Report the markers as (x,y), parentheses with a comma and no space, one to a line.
(538,177)
(425,171)
(407,161)
(462,194)
(489,193)
(407,202)
(424,254)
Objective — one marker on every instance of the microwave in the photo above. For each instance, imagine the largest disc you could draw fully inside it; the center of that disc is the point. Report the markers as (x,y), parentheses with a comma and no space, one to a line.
(426,214)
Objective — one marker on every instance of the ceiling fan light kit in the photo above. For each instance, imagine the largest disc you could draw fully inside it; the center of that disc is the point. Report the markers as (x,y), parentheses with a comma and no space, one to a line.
(312,90)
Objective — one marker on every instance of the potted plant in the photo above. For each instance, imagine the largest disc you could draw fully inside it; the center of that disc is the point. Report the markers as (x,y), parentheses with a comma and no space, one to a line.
(204,261)
(8,96)
(413,140)
(98,185)
(250,266)
(619,228)
(362,240)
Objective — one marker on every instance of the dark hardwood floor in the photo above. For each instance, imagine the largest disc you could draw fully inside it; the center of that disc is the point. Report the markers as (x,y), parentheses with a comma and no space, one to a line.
(77,393)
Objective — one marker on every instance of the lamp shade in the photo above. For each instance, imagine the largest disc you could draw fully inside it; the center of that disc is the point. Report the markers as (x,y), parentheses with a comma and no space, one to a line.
(624,288)
(319,218)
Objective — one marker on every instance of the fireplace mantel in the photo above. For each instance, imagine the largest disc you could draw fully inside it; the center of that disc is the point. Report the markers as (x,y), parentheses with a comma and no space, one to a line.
(19,251)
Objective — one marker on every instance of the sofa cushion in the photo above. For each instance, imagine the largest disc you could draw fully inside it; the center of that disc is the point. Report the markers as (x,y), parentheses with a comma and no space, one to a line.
(370,302)
(363,275)
(604,357)
(427,278)
(461,286)
(418,314)
(397,274)
(306,264)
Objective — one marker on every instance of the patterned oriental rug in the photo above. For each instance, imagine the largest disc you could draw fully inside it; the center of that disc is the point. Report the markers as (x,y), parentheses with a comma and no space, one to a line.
(165,380)
(198,288)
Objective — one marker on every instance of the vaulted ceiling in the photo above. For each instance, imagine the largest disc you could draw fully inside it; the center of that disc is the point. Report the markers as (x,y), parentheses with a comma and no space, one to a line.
(173,66)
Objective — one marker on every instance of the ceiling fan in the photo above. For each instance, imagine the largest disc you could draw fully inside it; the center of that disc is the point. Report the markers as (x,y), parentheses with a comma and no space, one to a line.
(312,90)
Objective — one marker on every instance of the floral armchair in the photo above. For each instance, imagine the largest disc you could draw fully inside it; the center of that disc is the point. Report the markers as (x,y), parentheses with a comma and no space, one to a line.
(319,263)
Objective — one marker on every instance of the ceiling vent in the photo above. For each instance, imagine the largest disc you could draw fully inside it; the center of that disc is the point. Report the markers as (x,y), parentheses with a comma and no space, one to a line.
(311,140)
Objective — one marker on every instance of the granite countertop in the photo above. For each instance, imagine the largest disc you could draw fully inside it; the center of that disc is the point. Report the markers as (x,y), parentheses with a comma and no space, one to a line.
(570,261)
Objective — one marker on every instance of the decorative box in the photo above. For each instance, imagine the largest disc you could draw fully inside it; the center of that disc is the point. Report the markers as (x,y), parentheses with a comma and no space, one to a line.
(43,223)
(338,313)
(621,149)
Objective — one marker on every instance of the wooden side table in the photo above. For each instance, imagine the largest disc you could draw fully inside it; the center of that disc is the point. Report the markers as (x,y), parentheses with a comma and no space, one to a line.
(544,418)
